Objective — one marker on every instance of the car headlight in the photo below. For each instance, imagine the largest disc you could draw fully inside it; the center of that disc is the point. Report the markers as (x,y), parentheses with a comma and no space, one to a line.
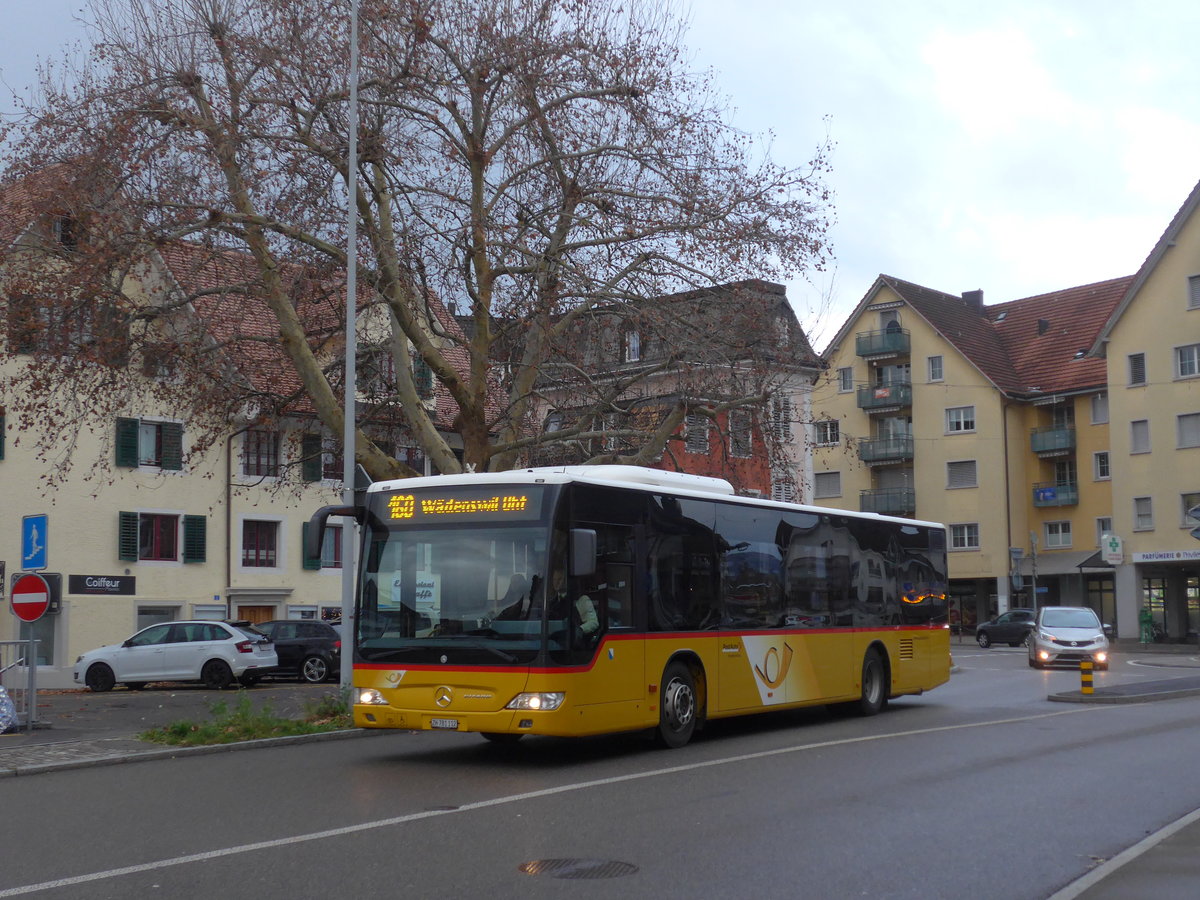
(371,697)
(544,701)
(1045,636)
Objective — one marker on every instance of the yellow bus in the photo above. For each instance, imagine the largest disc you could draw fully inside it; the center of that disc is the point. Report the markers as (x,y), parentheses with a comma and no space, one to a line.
(585,600)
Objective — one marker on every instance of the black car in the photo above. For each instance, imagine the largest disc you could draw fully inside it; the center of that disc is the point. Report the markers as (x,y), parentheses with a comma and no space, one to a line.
(1009,628)
(311,650)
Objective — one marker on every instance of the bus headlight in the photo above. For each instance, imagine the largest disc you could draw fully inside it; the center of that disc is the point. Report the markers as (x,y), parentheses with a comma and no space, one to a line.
(544,701)
(371,697)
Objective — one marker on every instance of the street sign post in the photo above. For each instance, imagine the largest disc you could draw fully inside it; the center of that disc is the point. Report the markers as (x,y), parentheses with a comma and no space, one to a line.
(30,596)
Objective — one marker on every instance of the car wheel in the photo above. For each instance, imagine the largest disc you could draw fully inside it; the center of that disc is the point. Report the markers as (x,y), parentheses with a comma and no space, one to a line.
(100,678)
(677,706)
(874,685)
(314,669)
(983,640)
(136,685)
(500,737)
(1028,638)
(216,675)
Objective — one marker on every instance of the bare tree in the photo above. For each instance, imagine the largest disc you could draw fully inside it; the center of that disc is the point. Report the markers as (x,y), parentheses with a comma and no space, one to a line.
(522,164)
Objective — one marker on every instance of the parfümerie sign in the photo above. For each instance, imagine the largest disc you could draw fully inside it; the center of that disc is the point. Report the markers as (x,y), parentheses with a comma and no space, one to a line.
(112,585)
(1166,556)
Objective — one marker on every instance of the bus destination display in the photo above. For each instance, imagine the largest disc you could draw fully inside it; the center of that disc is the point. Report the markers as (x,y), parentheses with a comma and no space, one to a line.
(522,504)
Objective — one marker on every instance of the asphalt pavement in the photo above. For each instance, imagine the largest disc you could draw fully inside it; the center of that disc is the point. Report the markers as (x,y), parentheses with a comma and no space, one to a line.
(77,729)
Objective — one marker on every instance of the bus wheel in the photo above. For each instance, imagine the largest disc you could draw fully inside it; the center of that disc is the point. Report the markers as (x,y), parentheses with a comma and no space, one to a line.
(677,706)
(501,737)
(874,685)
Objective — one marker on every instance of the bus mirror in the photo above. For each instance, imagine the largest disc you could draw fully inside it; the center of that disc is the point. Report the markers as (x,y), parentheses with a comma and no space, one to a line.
(316,527)
(583,551)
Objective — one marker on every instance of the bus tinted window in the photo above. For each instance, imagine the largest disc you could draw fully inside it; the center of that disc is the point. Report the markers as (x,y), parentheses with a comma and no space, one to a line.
(682,593)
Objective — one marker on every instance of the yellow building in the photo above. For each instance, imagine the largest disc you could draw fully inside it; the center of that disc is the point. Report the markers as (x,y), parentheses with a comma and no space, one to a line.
(1152,345)
(991,419)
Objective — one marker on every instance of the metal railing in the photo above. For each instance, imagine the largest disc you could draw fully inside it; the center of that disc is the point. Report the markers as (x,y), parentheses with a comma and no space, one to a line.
(886,449)
(19,679)
(885,396)
(874,343)
(1052,440)
(1051,494)
(889,501)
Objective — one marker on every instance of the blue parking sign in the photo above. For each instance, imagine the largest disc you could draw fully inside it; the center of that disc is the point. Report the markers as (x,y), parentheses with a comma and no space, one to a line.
(33,542)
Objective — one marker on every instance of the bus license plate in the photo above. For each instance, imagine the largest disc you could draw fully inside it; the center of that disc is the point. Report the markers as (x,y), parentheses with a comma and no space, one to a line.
(444,723)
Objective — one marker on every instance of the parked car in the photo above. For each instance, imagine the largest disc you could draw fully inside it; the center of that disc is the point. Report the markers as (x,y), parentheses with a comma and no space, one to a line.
(1009,628)
(309,649)
(214,653)
(1068,634)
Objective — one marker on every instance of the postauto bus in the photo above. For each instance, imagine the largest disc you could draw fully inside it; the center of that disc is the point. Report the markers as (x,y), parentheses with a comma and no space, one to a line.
(583,600)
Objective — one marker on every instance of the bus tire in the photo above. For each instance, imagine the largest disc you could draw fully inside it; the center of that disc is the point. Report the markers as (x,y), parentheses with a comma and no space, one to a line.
(677,711)
(874,684)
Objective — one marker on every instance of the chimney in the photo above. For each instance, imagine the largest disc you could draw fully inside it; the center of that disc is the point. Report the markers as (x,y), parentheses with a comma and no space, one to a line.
(973,300)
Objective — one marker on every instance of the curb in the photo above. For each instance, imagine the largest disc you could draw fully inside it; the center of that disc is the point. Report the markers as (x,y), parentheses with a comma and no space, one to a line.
(1078,697)
(173,752)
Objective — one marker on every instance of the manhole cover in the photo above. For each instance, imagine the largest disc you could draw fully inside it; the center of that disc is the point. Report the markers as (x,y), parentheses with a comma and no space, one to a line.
(578,868)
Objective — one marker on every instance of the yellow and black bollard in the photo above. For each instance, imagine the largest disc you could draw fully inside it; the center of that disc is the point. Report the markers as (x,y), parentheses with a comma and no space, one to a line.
(1085,676)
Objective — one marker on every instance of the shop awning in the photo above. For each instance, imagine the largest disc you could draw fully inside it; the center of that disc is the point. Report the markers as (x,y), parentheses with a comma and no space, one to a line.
(1068,562)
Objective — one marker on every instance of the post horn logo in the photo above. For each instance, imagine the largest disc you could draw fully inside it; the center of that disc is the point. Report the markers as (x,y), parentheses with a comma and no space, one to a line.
(773,670)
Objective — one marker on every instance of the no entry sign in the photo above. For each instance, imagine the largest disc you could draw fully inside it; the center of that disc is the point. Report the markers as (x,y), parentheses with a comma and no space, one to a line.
(30,597)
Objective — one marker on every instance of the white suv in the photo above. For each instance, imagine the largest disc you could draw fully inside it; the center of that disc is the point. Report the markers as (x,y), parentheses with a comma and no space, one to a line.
(1067,634)
(214,653)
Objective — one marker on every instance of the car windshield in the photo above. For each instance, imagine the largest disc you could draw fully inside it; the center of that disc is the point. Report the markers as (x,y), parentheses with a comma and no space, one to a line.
(1069,618)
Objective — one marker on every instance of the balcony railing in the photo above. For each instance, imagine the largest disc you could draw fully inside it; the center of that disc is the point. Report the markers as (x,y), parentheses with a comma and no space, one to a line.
(880,343)
(886,449)
(1052,441)
(889,501)
(885,396)
(1051,494)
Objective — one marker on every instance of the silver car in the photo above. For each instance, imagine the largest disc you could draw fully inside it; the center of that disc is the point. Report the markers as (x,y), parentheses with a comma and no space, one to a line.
(1067,634)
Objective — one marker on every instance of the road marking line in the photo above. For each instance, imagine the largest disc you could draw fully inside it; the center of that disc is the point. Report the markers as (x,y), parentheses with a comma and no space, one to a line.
(513,798)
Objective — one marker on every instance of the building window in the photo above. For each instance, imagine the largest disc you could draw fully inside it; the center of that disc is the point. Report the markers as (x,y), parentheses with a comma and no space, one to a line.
(158,536)
(781,418)
(935,368)
(1100,469)
(1143,514)
(1194,292)
(961,474)
(1058,535)
(1139,436)
(1137,369)
(153,536)
(960,418)
(1187,361)
(827,484)
(376,372)
(829,432)
(845,380)
(1103,527)
(740,441)
(260,453)
(1099,409)
(783,492)
(964,537)
(631,343)
(144,442)
(1189,501)
(259,542)
(1187,428)
(696,433)
(422,377)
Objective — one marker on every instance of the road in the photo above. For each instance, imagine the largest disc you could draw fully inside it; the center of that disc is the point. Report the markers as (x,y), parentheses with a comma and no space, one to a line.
(980,789)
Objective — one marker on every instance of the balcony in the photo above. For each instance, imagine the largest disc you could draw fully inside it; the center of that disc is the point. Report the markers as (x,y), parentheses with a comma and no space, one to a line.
(878,451)
(880,344)
(877,398)
(890,501)
(1051,494)
(1047,442)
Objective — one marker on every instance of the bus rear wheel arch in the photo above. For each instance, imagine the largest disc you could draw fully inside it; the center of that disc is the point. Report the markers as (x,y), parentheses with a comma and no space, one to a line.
(681,704)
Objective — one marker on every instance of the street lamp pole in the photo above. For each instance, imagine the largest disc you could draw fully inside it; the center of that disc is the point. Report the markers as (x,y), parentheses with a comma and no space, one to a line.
(349,527)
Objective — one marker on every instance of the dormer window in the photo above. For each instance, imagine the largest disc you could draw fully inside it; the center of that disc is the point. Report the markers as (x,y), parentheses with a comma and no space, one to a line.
(65,230)
(631,345)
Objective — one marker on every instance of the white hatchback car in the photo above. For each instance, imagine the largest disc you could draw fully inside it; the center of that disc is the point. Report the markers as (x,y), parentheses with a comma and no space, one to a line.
(214,653)
(1067,634)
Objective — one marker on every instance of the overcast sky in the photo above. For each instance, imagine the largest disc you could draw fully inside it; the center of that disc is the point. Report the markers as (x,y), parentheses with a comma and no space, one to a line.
(1014,147)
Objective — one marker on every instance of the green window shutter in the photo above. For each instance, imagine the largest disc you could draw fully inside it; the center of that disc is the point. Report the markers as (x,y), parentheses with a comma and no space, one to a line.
(195,539)
(310,562)
(423,378)
(3,430)
(172,446)
(311,466)
(127,443)
(127,536)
